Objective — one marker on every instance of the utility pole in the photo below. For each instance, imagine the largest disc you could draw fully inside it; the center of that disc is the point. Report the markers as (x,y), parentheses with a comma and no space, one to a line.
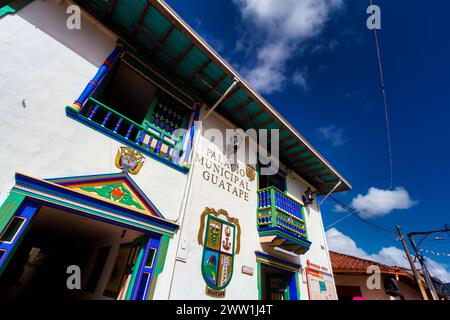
(421,258)
(411,263)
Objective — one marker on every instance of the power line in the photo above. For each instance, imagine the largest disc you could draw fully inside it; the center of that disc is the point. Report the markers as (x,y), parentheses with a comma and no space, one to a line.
(386,114)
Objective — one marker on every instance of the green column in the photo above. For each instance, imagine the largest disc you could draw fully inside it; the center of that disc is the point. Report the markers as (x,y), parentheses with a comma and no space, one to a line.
(9,207)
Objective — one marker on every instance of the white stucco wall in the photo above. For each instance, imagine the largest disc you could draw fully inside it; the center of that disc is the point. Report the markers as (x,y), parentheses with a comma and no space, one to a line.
(409,292)
(45,67)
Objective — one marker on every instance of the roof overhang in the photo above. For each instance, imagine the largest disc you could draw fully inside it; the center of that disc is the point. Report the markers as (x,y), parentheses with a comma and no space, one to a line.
(165,40)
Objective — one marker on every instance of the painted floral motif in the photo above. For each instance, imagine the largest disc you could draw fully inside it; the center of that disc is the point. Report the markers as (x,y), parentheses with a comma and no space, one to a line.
(115,192)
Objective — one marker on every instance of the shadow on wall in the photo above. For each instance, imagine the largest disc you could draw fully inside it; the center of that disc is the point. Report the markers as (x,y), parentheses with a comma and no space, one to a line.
(51,18)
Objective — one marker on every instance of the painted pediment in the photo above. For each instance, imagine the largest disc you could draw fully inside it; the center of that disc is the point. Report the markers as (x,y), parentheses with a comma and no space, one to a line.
(118,189)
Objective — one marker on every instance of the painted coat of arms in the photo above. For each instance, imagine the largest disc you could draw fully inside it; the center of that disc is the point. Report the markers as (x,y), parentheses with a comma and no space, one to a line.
(129,160)
(221,241)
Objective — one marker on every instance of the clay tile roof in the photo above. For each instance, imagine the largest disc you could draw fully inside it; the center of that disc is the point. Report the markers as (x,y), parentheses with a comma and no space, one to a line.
(343,263)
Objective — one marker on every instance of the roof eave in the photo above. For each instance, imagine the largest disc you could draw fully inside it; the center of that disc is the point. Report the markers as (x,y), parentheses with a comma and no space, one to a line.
(174,18)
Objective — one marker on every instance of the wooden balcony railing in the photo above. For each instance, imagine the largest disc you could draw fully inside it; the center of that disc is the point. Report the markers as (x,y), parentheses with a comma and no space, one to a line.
(156,142)
(281,217)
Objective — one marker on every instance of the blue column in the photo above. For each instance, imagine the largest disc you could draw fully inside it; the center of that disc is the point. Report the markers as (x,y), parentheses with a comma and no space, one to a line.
(104,68)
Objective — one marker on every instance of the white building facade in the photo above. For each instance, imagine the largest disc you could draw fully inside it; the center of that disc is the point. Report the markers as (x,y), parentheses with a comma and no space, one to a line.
(97,180)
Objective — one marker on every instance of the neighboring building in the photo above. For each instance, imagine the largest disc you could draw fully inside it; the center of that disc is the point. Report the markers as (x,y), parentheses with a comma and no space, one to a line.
(351,275)
(109,189)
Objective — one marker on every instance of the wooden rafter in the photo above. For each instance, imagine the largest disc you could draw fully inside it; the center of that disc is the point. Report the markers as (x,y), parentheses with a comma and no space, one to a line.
(298,153)
(295,145)
(287,138)
(200,70)
(163,39)
(241,106)
(313,171)
(309,165)
(181,57)
(324,175)
(149,36)
(232,93)
(138,23)
(265,123)
(252,117)
(112,7)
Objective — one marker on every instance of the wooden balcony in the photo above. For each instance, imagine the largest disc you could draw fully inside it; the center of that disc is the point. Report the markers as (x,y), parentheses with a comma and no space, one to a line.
(281,221)
(151,140)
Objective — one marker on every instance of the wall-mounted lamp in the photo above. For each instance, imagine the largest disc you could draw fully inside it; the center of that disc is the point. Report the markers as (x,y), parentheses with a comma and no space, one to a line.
(236,143)
(308,197)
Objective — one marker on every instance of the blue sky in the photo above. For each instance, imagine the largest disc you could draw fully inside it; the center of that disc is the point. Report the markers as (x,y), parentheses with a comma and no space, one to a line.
(315,61)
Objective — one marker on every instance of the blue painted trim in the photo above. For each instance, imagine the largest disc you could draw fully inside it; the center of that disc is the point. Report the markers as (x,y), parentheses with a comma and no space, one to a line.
(192,132)
(104,68)
(293,288)
(276,259)
(286,234)
(68,195)
(153,242)
(26,210)
(76,116)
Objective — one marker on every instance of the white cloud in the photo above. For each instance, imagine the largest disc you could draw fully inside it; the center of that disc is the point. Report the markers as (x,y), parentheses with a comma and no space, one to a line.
(333,134)
(379,202)
(280,27)
(339,242)
(299,78)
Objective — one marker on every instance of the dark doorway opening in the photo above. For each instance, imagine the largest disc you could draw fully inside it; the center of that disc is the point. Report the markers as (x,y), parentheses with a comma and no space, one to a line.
(55,241)
(278,284)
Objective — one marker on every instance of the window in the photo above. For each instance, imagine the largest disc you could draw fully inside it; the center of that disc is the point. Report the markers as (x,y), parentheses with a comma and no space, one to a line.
(129,105)
(150,258)
(278,181)
(12,229)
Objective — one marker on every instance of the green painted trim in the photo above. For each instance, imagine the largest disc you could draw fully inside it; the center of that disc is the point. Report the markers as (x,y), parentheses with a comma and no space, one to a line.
(9,207)
(92,212)
(258,272)
(135,273)
(277,232)
(170,143)
(304,222)
(13,7)
(160,261)
(297,284)
(273,207)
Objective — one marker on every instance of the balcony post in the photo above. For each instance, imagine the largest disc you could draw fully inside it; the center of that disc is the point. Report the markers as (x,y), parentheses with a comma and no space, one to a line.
(273,207)
(92,85)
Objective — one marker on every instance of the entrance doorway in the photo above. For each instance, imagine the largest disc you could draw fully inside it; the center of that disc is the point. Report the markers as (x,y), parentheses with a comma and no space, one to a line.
(277,284)
(103,252)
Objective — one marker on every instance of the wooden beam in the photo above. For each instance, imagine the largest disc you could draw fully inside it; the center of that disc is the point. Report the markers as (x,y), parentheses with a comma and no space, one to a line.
(181,57)
(112,7)
(241,106)
(309,165)
(142,16)
(252,116)
(232,93)
(200,70)
(298,153)
(287,138)
(148,35)
(265,123)
(290,147)
(215,83)
(314,170)
(324,174)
